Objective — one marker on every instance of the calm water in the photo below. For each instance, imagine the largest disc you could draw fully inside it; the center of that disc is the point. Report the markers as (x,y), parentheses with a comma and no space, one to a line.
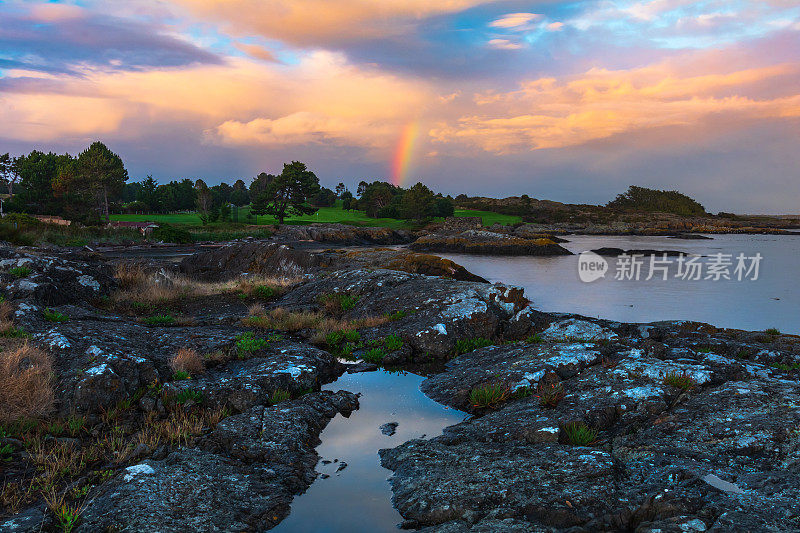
(552,283)
(358,498)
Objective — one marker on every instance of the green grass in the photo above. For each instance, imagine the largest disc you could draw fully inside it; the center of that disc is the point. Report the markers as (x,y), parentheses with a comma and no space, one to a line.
(489,396)
(247,343)
(180,375)
(375,355)
(489,217)
(20,272)
(469,345)
(279,395)
(579,434)
(680,380)
(392,343)
(188,395)
(169,218)
(334,214)
(159,320)
(51,315)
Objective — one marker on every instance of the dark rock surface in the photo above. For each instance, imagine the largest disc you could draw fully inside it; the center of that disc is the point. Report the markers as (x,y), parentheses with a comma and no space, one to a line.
(242,478)
(723,455)
(439,312)
(56,277)
(254,257)
(342,234)
(691,427)
(281,260)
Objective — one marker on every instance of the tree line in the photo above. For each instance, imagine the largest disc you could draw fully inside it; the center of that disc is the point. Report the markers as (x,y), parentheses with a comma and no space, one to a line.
(88,187)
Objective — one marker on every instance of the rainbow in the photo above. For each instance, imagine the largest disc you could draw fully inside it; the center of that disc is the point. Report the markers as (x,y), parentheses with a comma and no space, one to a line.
(401,164)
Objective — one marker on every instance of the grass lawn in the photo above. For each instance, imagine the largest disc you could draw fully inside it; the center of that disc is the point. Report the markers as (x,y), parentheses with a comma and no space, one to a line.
(325,214)
(489,217)
(172,218)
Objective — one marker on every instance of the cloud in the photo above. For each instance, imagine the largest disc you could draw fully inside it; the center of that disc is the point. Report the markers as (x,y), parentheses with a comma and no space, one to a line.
(61,38)
(515,20)
(600,104)
(503,44)
(311,23)
(323,98)
(555,26)
(256,51)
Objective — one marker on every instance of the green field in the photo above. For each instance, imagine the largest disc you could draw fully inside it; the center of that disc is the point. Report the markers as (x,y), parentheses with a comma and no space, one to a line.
(489,217)
(325,214)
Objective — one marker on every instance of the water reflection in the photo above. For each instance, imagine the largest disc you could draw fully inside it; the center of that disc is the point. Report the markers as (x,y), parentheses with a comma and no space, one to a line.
(358,498)
(552,283)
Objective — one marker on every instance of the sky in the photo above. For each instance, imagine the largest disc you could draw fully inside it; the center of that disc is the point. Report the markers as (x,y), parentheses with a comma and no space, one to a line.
(569,101)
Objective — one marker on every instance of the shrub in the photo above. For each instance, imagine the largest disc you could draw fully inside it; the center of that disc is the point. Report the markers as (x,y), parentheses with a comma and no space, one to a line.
(579,434)
(489,395)
(338,303)
(168,233)
(375,355)
(247,343)
(278,396)
(180,375)
(469,345)
(680,380)
(51,315)
(392,343)
(187,361)
(550,395)
(20,272)
(522,392)
(772,331)
(264,292)
(25,383)
(8,330)
(159,320)
(67,515)
(188,395)
(534,339)
(397,315)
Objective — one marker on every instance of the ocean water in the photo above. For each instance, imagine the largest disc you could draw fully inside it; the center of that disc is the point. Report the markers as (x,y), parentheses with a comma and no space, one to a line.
(553,283)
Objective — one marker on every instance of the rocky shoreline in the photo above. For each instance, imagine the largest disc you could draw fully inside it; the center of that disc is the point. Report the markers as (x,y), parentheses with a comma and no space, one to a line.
(187,397)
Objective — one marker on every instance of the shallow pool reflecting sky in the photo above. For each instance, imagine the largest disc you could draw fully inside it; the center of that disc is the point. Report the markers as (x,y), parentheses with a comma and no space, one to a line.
(358,498)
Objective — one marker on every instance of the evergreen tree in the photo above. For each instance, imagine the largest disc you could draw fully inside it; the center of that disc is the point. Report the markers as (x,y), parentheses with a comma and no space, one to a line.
(97,177)
(289,193)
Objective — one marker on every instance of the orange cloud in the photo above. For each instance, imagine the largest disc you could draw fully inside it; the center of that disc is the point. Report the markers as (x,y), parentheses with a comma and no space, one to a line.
(256,51)
(240,102)
(314,22)
(546,113)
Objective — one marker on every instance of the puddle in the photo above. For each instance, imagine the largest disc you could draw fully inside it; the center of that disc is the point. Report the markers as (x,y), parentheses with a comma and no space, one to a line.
(358,498)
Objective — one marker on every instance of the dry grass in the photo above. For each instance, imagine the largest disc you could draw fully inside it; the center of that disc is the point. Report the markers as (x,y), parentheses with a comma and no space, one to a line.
(284,320)
(26,388)
(187,360)
(6,311)
(178,428)
(136,284)
(130,275)
(255,310)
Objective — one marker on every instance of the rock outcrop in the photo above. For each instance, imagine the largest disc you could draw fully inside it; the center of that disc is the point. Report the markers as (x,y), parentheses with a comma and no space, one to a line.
(682,436)
(482,242)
